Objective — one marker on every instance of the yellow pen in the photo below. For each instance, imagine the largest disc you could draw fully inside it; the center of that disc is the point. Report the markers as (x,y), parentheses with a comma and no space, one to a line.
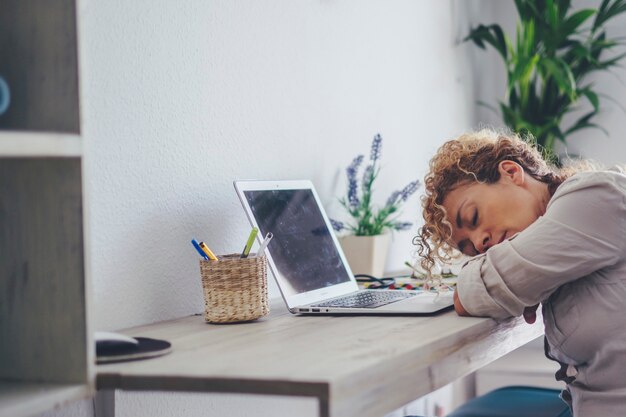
(250,242)
(208,252)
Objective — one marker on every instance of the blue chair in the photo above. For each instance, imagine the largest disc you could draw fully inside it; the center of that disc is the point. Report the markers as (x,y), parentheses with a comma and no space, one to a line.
(515,402)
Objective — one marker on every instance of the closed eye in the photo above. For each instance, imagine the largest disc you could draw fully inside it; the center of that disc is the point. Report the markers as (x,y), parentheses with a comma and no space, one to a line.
(475,218)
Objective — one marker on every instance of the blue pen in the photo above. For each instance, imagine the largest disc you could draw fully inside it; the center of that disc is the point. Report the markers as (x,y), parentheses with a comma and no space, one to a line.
(199,249)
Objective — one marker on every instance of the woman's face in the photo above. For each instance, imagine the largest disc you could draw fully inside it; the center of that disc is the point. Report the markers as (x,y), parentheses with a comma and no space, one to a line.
(483,215)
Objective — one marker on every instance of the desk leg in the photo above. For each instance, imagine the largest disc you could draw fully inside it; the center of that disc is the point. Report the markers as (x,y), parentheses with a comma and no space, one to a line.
(323,407)
(104,403)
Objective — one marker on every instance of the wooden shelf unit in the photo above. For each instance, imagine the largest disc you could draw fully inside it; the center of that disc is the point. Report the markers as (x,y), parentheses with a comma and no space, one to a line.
(21,399)
(46,350)
(20,144)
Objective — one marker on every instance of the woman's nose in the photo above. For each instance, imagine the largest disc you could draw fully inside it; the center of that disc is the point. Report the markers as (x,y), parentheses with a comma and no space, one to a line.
(482,241)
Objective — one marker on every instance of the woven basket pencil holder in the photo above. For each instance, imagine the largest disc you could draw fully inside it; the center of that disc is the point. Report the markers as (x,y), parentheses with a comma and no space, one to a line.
(235,288)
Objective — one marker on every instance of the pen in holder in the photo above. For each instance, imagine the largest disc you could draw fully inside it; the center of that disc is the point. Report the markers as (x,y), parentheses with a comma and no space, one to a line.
(235,288)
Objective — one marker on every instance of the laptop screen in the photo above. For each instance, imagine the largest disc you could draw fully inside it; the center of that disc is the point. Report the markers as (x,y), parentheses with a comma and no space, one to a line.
(302,248)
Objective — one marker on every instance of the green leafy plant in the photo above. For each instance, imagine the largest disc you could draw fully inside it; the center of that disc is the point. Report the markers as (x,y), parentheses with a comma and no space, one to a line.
(555,50)
(368,221)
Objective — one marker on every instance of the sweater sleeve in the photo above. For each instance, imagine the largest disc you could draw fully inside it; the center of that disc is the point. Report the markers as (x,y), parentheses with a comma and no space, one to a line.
(583,230)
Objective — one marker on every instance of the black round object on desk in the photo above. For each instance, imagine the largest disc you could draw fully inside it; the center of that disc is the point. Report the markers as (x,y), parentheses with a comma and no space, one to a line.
(122,352)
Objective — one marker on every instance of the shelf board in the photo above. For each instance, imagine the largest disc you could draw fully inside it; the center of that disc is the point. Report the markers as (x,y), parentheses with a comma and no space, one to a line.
(39,144)
(21,399)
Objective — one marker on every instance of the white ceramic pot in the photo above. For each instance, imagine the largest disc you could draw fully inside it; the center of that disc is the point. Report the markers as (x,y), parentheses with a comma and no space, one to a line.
(366,254)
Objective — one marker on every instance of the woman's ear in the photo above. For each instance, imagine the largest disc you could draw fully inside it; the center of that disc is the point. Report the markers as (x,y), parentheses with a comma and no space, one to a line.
(511,171)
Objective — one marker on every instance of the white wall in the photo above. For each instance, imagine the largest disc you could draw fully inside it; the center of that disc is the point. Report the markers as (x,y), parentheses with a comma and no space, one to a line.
(181,98)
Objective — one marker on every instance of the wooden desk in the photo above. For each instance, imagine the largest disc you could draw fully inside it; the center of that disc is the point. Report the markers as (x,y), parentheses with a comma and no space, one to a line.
(354,366)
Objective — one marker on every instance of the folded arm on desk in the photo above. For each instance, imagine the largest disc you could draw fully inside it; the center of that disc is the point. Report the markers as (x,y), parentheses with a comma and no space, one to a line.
(581,232)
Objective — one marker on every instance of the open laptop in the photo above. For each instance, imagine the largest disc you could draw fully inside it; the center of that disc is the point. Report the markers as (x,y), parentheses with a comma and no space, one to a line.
(307,261)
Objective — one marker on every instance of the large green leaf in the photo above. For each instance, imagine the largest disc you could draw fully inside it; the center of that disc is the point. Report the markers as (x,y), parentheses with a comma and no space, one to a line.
(492,35)
(561,73)
(529,38)
(552,14)
(572,23)
(592,97)
(608,10)
(564,6)
(555,48)
(581,123)
(610,62)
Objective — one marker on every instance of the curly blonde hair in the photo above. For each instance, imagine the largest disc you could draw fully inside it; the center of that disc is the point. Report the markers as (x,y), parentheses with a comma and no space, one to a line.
(472,157)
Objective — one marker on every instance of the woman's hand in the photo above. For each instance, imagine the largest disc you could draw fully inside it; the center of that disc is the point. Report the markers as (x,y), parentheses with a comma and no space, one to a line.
(530,314)
(458,307)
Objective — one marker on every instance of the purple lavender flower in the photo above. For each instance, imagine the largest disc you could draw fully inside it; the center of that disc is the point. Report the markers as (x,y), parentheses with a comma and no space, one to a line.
(367,175)
(402,226)
(353,198)
(351,171)
(393,198)
(358,200)
(376,148)
(337,225)
(409,190)
(353,167)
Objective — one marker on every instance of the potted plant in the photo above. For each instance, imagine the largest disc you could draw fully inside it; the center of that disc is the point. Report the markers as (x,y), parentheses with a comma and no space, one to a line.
(367,240)
(548,65)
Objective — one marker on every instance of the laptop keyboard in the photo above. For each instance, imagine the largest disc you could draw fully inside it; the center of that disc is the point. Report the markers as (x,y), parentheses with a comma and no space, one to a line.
(367,299)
